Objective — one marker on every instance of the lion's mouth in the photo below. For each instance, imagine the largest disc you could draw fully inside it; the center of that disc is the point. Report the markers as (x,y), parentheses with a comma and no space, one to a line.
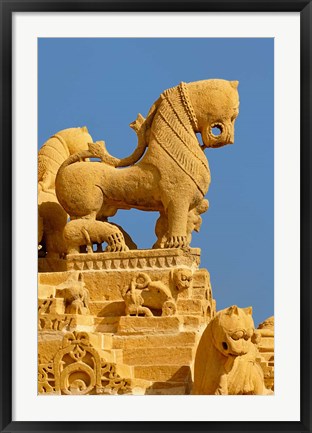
(216,130)
(237,353)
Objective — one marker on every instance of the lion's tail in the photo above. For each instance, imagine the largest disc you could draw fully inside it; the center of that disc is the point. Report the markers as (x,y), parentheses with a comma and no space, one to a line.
(98,149)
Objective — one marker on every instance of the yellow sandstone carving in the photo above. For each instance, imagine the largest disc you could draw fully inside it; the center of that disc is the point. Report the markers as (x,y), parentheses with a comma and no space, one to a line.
(226,357)
(78,369)
(75,294)
(129,321)
(84,232)
(51,216)
(194,221)
(182,279)
(173,157)
(144,296)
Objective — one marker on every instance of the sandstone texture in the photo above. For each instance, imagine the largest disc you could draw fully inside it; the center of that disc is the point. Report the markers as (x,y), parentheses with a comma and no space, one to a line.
(114,319)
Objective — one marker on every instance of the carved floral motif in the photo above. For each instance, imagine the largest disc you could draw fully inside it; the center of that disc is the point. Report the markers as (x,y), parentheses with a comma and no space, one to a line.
(77,369)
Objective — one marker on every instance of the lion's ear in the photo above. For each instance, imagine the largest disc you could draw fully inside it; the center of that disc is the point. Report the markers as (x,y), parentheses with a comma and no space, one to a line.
(234,84)
(84,129)
(248,310)
(233,310)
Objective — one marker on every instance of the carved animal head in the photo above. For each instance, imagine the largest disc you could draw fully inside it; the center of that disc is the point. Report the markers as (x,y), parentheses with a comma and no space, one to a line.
(76,139)
(216,106)
(182,278)
(232,331)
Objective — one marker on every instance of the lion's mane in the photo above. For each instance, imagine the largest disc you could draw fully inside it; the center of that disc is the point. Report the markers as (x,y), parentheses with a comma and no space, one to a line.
(172,129)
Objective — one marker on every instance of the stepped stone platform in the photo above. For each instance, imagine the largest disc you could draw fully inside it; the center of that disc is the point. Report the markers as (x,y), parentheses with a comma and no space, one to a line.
(121,323)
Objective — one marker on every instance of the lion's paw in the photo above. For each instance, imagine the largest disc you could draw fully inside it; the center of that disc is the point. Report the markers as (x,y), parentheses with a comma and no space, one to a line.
(176,242)
(116,243)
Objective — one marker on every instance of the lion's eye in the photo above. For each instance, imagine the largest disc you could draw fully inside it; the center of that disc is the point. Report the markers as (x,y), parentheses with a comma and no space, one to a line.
(248,335)
(237,335)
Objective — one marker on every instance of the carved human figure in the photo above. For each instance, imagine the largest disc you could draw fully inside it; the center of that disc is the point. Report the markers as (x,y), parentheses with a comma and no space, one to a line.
(168,155)
(226,357)
(86,232)
(134,302)
(144,294)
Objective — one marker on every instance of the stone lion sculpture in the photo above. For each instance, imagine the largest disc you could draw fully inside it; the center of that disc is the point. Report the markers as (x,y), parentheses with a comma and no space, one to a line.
(168,172)
(52,217)
(82,232)
(226,357)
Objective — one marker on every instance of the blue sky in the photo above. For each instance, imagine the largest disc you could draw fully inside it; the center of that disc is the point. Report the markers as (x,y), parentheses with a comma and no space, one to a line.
(104,83)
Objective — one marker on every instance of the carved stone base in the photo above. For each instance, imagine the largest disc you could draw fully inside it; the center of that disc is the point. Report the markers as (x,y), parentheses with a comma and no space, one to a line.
(133,259)
(147,345)
(131,327)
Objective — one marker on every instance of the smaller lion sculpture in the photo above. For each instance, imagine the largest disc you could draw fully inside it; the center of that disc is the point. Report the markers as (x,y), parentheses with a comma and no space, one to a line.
(226,361)
(52,217)
(83,232)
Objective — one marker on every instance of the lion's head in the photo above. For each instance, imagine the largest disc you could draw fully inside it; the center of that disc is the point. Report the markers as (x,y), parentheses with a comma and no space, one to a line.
(233,330)
(182,278)
(216,106)
(76,139)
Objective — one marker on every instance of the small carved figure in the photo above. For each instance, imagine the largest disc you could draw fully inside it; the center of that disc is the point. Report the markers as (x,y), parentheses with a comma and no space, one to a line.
(86,232)
(77,300)
(194,221)
(182,279)
(226,357)
(145,295)
(75,294)
(170,155)
(134,302)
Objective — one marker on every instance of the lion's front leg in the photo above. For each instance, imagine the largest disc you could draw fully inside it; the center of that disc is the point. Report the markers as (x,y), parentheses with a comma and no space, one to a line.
(161,231)
(177,222)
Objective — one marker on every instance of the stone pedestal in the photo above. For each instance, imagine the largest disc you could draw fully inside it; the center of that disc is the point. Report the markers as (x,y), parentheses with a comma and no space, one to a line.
(94,340)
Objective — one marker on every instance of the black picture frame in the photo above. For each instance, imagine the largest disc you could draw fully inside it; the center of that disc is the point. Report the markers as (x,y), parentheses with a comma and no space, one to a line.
(8,7)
